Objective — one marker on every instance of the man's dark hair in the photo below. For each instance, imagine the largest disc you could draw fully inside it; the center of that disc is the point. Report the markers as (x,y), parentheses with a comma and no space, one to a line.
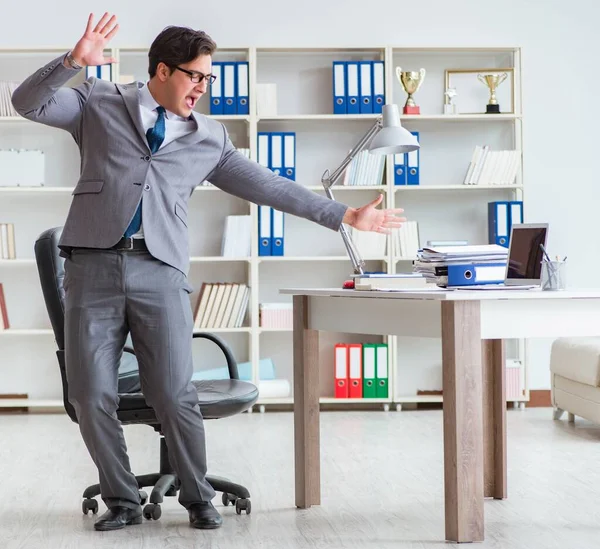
(178,45)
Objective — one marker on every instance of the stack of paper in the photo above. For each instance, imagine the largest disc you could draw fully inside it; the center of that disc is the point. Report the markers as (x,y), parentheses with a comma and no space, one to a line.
(399,281)
(432,262)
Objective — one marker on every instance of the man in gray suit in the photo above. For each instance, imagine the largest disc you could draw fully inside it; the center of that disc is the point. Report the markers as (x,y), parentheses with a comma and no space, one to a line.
(143,151)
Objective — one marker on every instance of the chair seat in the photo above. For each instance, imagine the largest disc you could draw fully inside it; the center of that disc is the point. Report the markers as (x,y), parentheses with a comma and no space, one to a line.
(218,398)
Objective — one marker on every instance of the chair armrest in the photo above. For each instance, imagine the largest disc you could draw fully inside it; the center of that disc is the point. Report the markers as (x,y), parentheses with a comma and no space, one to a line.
(129,350)
(231,363)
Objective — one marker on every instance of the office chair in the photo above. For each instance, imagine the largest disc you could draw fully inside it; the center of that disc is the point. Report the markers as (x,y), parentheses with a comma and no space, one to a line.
(218,398)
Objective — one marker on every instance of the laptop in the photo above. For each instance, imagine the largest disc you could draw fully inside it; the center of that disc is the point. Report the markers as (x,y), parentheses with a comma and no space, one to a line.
(525,255)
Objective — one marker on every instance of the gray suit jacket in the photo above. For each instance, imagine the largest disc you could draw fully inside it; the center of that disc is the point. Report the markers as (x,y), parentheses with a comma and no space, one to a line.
(117,167)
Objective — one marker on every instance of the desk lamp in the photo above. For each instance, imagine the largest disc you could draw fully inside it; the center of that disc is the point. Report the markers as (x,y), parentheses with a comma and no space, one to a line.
(386,136)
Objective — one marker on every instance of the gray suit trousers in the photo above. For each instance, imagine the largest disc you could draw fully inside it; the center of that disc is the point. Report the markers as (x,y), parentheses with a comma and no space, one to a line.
(109,294)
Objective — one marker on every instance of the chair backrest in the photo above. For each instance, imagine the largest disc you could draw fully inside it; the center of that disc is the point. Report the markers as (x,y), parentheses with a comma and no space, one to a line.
(51,270)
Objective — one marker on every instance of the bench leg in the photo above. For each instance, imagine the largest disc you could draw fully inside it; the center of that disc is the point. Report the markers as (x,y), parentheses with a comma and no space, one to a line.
(571,418)
(558,412)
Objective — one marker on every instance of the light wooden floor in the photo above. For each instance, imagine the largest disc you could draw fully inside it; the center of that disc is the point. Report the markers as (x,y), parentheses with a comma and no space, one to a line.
(382,486)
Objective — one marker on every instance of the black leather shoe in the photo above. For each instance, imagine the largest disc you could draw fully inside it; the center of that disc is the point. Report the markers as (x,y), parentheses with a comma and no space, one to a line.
(204,515)
(118,517)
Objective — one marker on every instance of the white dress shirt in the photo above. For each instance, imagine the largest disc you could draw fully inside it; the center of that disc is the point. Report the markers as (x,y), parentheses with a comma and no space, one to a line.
(175,126)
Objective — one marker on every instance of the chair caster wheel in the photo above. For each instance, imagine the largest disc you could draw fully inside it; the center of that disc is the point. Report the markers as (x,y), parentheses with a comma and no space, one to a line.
(228,498)
(242,504)
(143,497)
(152,511)
(89,504)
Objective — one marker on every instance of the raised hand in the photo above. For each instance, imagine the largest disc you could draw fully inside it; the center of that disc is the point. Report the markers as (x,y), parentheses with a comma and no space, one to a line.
(90,48)
(369,218)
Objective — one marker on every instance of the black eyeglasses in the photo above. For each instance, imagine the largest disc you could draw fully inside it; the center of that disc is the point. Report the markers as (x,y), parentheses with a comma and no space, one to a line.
(197,77)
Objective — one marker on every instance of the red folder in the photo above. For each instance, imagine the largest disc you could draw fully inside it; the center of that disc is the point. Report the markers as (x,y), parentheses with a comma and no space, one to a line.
(341,370)
(355,370)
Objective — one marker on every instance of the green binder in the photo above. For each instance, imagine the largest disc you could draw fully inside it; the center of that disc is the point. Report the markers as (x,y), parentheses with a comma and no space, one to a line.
(369,377)
(381,351)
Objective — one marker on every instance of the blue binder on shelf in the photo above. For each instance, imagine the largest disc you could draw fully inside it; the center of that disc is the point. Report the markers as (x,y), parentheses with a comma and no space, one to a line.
(102,72)
(412,168)
(216,90)
(339,87)
(498,223)
(400,169)
(265,239)
(366,87)
(276,156)
(516,213)
(229,87)
(277,229)
(469,274)
(289,155)
(241,88)
(264,212)
(378,82)
(352,88)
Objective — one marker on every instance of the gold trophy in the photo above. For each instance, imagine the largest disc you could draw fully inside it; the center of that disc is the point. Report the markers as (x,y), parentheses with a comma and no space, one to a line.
(411,81)
(492,81)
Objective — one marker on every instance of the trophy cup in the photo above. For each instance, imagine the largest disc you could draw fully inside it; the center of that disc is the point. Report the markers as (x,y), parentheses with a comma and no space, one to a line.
(492,81)
(449,107)
(411,81)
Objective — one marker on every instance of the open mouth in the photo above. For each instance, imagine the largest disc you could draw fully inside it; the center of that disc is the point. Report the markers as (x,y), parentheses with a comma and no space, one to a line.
(191,101)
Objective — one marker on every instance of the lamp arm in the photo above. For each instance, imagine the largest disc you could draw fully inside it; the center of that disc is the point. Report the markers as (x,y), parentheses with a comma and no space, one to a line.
(357,262)
(329,180)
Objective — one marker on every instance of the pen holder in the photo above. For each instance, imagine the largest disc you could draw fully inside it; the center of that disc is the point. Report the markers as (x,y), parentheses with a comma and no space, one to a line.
(554,275)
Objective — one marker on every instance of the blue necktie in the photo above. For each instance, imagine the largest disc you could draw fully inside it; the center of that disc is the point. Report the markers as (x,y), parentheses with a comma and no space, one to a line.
(155,136)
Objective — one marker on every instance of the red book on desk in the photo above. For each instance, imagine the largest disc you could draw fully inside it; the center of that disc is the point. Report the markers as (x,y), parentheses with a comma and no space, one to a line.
(355,370)
(341,370)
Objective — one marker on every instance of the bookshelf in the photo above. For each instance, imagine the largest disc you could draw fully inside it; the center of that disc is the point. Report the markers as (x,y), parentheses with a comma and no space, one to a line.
(441,204)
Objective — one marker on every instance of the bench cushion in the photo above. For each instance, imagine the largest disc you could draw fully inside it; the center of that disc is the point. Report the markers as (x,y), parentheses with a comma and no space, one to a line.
(577,358)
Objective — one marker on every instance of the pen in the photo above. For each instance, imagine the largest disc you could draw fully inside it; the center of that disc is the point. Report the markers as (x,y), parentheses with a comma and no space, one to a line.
(545,253)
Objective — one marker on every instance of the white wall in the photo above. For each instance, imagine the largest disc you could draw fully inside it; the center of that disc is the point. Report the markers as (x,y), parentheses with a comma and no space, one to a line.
(561,100)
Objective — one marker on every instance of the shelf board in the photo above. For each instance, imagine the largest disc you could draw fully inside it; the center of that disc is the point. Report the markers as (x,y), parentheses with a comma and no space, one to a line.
(26,332)
(428,117)
(30,403)
(16,262)
(48,189)
(274,330)
(455,187)
(243,330)
(337,188)
(307,117)
(270,258)
(217,259)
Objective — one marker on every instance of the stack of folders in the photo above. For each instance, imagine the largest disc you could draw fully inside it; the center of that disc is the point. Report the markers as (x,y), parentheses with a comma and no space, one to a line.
(277,152)
(237,236)
(361,370)
(6,91)
(245,152)
(277,316)
(4,324)
(407,166)
(405,240)
(489,167)
(229,92)
(365,170)
(370,245)
(7,241)
(397,281)
(358,87)
(221,305)
(451,265)
(21,168)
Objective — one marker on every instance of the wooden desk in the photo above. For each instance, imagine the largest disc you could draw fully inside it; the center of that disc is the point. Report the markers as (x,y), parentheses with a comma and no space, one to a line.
(472,326)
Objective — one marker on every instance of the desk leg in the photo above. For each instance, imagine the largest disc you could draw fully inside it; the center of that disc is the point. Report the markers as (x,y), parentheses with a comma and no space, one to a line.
(494,419)
(306,408)
(463,425)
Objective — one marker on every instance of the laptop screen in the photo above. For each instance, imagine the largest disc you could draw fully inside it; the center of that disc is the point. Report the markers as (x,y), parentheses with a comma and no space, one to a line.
(525,253)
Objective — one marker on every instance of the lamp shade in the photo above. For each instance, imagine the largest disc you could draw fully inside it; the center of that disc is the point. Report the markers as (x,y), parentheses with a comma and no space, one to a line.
(393,138)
